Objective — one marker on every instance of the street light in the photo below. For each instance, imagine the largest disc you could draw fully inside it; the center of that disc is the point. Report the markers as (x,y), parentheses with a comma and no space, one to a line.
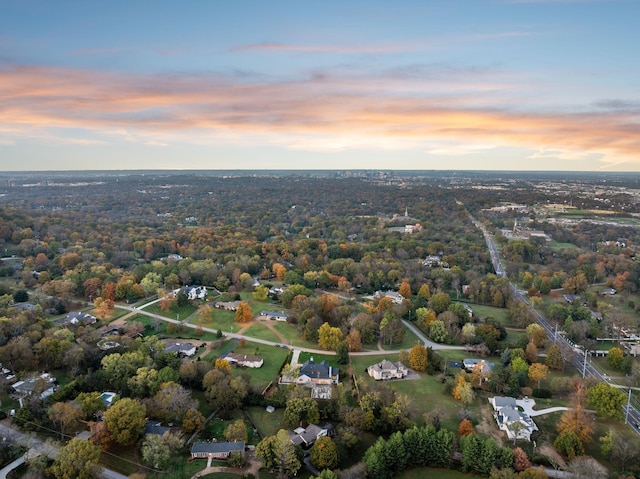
(626,418)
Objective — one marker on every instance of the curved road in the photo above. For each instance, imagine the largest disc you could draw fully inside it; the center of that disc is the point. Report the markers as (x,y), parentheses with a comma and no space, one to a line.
(411,327)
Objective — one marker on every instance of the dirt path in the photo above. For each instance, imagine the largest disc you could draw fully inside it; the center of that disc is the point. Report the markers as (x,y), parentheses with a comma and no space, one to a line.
(267,323)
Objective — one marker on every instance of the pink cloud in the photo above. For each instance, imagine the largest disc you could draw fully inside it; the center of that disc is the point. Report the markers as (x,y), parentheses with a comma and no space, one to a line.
(321,112)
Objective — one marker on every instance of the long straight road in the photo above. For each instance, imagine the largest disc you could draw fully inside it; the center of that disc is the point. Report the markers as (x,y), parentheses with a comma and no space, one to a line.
(572,354)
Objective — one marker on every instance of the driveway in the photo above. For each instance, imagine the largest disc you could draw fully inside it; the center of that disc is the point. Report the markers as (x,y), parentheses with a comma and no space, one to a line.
(528,404)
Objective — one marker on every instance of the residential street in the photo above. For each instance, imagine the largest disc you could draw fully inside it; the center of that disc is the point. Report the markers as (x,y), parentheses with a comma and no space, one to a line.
(36,446)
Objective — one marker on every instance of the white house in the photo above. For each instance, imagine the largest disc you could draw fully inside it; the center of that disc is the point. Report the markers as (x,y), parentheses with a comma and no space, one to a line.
(244,360)
(193,292)
(276,315)
(76,318)
(511,419)
(396,298)
(44,384)
(226,305)
(181,349)
(386,369)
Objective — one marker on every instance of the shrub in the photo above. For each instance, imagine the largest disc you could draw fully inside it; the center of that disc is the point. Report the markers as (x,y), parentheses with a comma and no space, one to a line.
(542,393)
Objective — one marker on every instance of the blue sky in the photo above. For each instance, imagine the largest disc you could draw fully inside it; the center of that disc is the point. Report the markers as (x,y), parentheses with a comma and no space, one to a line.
(478,84)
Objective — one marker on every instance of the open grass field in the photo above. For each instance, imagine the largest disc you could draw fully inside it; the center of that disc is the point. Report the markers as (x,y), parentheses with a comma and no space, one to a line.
(556,245)
(176,312)
(267,424)
(260,331)
(290,332)
(499,314)
(274,358)
(304,356)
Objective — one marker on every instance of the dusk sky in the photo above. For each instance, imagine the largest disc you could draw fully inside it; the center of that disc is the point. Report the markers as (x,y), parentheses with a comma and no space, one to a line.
(427,84)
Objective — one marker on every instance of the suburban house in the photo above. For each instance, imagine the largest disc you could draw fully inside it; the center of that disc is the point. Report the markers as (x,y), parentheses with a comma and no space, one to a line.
(215,450)
(511,419)
(471,365)
(108,398)
(76,318)
(386,369)
(411,228)
(43,384)
(275,291)
(155,428)
(181,349)
(193,292)
(276,315)
(317,373)
(608,292)
(571,298)
(227,305)
(305,437)
(396,298)
(244,360)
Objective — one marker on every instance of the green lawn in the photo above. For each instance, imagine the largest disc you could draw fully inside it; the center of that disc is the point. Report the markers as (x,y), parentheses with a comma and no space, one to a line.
(556,245)
(176,312)
(223,320)
(409,341)
(267,424)
(499,314)
(304,356)
(273,357)
(170,330)
(260,331)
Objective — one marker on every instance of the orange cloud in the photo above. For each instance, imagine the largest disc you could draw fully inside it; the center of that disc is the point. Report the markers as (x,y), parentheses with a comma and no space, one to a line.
(322,112)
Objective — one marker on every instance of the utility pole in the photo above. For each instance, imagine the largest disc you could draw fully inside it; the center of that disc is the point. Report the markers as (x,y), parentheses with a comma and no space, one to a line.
(626,419)
(584,366)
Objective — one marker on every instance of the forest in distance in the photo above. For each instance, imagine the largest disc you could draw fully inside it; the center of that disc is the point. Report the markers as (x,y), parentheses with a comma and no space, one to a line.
(364,266)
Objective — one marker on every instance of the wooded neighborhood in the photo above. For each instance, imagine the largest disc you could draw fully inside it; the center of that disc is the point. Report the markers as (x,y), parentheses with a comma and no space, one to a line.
(159,325)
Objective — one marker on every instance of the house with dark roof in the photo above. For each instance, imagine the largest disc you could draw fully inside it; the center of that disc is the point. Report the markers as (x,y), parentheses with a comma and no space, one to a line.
(317,373)
(155,428)
(215,450)
(305,437)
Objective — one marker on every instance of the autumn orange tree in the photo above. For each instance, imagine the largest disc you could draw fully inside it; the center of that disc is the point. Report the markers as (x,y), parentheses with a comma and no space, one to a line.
(576,420)
(465,428)
(279,270)
(462,391)
(243,313)
(418,358)
(405,289)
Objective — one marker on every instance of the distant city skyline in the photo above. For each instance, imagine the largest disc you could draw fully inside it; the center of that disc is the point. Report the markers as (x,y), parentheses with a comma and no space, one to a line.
(409,85)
